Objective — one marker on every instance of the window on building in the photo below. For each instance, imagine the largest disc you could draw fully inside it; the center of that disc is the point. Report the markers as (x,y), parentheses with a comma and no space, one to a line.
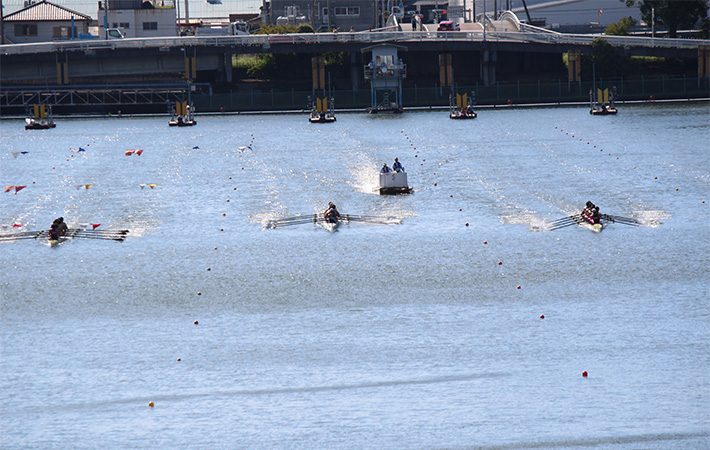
(124,25)
(150,26)
(325,12)
(61,32)
(115,25)
(347,10)
(25,29)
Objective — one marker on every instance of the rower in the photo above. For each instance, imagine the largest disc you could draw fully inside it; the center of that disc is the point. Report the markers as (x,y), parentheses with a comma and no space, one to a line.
(588,209)
(58,228)
(397,166)
(331,214)
(596,217)
(385,169)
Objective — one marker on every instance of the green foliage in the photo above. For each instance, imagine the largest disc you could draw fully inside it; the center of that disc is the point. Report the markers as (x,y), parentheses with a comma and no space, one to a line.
(285,29)
(622,27)
(277,29)
(337,58)
(305,28)
(674,15)
(604,60)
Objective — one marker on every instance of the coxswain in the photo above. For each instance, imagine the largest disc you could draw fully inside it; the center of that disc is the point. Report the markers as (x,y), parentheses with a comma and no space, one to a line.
(385,168)
(331,214)
(469,110)
(397,166)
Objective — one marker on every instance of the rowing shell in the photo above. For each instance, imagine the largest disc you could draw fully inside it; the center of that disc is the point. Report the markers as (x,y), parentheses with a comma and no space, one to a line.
(595,227)
(328,226)
(56,242)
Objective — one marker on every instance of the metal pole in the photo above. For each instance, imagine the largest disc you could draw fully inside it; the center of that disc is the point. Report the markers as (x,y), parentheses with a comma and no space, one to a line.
(2,26)
(187,13)
(484,20)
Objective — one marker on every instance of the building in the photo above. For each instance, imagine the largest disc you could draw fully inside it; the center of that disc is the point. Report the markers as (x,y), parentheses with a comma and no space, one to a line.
(43,22)
(138,18)
(342,15)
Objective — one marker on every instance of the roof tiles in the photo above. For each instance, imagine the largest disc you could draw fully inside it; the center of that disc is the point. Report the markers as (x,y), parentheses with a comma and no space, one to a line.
(45,11)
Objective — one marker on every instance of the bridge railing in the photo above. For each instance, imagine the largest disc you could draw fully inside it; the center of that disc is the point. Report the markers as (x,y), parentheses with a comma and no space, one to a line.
(367,38)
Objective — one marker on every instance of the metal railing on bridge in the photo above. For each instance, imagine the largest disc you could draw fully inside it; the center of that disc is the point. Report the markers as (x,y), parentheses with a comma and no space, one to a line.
(365,38)
(96,95)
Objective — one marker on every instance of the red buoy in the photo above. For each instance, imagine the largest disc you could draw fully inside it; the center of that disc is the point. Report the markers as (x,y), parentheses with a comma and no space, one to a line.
(500,263)
(584,374)
(542,316)
(466,223)
(518,287)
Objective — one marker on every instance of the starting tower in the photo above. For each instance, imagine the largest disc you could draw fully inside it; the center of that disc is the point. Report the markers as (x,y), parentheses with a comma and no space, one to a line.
(385,72)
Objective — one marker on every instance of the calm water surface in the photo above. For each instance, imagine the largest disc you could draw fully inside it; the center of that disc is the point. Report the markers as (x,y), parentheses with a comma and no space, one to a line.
(422,335)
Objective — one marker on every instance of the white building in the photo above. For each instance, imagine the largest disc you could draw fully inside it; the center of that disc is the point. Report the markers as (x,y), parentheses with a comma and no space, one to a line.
(43,22)
(138,18)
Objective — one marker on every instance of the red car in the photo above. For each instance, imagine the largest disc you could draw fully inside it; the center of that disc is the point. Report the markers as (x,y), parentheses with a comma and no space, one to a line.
(448,25)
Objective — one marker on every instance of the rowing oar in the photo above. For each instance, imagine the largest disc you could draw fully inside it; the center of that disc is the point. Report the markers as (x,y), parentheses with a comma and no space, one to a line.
(96,235)
(105,238)
(21,235)
(97,232)
(564,219)
(573,221)
(621,220)
(17,238)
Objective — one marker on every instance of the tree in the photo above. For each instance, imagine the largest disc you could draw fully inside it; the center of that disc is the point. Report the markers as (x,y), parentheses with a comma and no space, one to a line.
(622,27)
(672,14)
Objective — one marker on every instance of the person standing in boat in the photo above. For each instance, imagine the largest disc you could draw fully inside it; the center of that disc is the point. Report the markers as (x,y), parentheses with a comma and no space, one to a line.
(385,168)
(397,166)
(331,214)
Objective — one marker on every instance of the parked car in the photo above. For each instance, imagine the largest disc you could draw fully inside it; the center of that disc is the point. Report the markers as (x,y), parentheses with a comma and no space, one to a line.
(448,25)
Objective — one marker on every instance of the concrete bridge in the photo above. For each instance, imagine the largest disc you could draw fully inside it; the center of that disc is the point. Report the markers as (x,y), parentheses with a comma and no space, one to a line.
(39,63)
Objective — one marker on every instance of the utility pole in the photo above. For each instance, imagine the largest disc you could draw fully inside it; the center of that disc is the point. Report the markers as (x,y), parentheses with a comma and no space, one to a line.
(2,26)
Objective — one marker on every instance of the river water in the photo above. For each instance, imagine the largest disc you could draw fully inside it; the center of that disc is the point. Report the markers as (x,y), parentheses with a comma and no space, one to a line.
(427,334)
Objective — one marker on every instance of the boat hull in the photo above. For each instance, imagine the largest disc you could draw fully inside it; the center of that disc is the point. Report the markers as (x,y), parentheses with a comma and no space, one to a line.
(329,119)
(175,123)
(459,116)
(602,112)
(394,183)
(40,126)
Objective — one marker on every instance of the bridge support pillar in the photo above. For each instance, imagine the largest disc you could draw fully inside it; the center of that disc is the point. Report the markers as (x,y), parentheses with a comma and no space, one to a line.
(355,66)
(488,66)
(228,66)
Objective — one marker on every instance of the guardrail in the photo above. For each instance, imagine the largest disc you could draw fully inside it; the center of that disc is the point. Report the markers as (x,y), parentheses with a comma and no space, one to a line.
(266,40)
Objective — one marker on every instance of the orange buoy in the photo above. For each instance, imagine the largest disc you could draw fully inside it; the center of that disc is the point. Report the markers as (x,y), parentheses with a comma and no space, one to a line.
(199,293)
(179,359)
(195,322)
(151,404)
